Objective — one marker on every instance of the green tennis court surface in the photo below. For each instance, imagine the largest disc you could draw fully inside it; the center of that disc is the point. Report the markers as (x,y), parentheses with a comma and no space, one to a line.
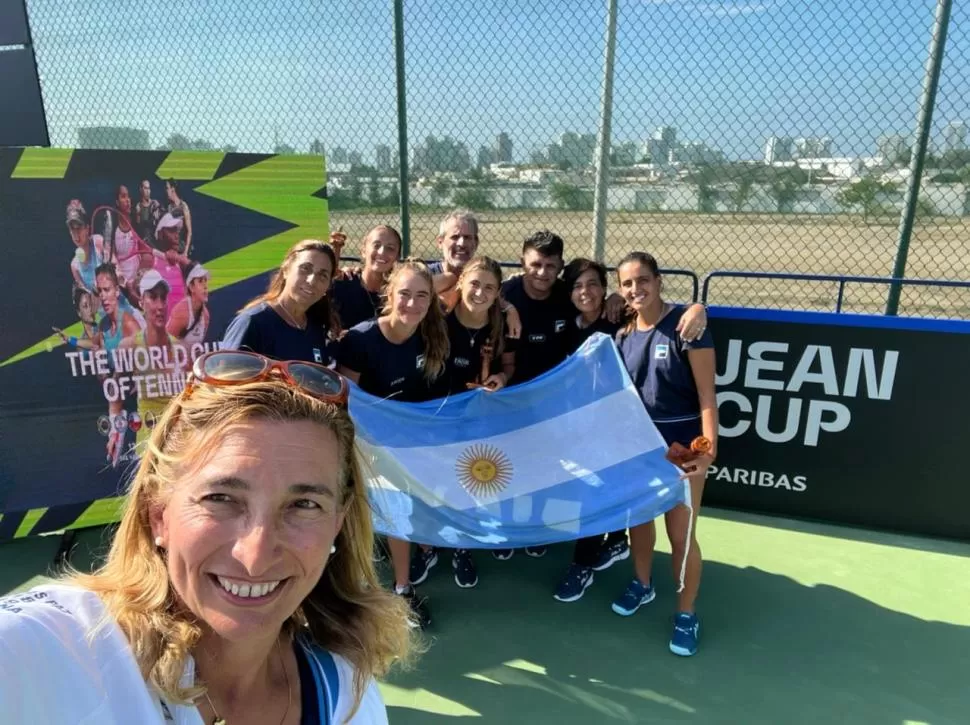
(800,624)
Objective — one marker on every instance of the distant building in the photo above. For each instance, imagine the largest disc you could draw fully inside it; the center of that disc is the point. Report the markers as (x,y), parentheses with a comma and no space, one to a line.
(625,154)
(695,153)
(656,150)
(503,149)
(112,137)
(954,136)
(338,155)
(445,154)
(575,149)
(382,158)
(504,171)
(667,134)
(485,158)
(812,147)
(777,149)
(893,149)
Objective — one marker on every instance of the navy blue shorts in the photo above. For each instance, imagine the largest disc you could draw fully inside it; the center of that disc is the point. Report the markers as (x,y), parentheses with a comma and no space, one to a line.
(681,431)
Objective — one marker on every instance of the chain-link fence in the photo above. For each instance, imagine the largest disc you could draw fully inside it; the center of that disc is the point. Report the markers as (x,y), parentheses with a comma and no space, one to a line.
(746,134)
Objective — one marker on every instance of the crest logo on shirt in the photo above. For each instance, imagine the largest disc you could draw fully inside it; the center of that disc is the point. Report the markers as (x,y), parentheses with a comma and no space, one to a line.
(317,355)
(661,351)
(560,325)
(419,362)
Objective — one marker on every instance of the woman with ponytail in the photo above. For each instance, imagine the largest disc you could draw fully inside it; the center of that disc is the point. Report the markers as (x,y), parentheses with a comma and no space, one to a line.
(293,319)
(401,355)
(475,324)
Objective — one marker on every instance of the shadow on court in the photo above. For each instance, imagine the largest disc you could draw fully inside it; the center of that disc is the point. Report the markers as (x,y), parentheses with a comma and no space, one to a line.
(772,651)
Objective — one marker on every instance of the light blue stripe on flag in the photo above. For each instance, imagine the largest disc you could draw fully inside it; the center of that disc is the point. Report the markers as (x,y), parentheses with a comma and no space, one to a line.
(570,454)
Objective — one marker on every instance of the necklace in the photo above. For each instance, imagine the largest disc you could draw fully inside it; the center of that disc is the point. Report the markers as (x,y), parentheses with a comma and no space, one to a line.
(289,693)
(663,313)
(289,317)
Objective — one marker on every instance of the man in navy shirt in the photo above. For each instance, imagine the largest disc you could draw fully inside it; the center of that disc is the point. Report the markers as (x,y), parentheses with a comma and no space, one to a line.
(547,316)
(544,307)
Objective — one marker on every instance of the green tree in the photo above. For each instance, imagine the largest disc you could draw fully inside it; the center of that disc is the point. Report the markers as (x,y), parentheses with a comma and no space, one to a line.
(440,188)
(866,195)
(473,198)
(570,197)
(373,189)
(783,185)
(705,177)
(741,192)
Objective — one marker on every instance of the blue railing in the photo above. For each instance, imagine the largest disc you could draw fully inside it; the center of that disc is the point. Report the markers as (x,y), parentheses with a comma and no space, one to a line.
(842,279)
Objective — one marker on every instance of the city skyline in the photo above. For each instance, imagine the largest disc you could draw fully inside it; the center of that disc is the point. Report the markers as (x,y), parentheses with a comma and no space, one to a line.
(727,74)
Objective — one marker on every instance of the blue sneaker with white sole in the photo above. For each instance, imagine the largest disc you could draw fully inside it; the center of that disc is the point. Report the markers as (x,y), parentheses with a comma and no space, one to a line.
(574,584)
(610,554)
(636,595)
(687,630)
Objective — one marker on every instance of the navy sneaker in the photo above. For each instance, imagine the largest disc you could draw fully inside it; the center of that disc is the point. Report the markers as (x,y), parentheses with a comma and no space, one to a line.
(466,576)
(421,563)
(574,584)
(420,612)
(502,554)
(687,630)
(636,595)
(536,552)
(610,554)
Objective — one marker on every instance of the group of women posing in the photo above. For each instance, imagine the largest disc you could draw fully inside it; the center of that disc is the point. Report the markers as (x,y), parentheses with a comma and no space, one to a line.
(387,326)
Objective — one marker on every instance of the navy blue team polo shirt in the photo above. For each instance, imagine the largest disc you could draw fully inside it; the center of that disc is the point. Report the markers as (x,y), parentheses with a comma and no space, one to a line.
(387,369)
(657,362)
(260,329)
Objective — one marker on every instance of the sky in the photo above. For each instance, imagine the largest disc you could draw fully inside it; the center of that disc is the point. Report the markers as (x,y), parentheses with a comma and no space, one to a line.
(729,73)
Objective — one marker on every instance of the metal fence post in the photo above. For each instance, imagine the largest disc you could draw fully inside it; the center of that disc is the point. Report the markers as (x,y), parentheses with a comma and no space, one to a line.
(402,128)
(603,138)
(930,84)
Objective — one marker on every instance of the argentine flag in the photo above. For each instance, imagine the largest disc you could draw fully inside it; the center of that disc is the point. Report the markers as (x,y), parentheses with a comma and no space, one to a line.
(570,454)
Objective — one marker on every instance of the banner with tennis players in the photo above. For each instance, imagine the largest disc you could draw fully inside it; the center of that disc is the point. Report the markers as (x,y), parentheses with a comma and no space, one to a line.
(529,465)
(121,268)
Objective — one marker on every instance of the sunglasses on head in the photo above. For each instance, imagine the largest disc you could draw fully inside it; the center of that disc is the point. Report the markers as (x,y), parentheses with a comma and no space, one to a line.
(237,367)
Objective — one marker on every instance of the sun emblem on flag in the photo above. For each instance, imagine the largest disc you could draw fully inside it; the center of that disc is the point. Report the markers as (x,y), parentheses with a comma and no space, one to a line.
(483,470)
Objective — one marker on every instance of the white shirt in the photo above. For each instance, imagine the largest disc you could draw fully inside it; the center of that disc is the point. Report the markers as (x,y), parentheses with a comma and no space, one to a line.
(62,662)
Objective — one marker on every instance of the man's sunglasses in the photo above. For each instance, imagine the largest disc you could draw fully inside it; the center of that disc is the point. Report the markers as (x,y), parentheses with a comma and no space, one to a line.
(237,367)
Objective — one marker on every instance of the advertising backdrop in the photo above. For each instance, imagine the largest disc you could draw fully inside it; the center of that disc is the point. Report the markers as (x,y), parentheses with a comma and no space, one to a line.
(844,418)
(120,269)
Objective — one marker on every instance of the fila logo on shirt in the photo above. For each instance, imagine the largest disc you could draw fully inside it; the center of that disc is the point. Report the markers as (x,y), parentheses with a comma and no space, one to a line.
(661,351)
(317,355)
(419,361)
(560,325)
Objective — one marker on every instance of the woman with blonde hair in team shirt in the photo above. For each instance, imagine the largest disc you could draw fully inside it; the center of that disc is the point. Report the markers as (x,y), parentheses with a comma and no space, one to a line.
(476,332)
(675,378)
(356,292)
(401,355)
(240,586)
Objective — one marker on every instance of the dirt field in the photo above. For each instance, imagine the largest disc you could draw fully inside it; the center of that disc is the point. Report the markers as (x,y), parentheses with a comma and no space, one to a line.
(940,249)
